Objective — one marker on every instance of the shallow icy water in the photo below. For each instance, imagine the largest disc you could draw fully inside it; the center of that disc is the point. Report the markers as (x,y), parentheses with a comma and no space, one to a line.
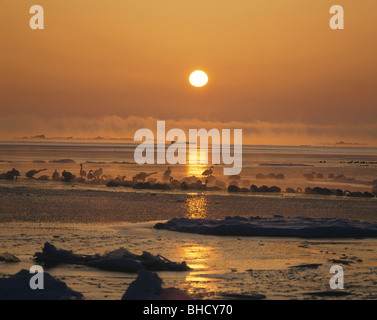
(223,267)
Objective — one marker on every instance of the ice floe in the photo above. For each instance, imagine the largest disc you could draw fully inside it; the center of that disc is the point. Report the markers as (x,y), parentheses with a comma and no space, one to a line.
(277,226)
(118,260)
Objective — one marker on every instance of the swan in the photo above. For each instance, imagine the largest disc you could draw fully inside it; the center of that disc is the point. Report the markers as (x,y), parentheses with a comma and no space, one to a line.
(55,175)
(142,176)
(102,180)
(191,179)
(15,173)
(67,176)
(119,179)
(117,182)
(152,180)
(43,178)
(167,173)
(97,173)
(175,183)
(211,180)
(90,175)
(30,174)
(82,172)
(10,175)
(198,185)
(208,172)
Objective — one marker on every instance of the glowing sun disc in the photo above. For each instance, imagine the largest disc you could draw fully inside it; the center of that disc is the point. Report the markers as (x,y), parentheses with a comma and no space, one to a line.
(198,78)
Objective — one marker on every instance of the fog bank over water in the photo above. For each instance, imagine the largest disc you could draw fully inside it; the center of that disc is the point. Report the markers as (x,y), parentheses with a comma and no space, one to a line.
(256,132)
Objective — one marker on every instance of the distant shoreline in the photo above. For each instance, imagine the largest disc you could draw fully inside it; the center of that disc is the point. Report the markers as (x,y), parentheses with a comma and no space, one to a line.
(131,142)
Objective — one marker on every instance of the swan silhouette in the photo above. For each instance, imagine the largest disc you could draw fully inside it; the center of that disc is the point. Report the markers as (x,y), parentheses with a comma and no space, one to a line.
(30,174)
(97,173)
(90,175)
(142,176)
(67,176)
(43,178)
(10,175)
(82,172)
(208,172)
(167,173)
(176,184)
(55,175)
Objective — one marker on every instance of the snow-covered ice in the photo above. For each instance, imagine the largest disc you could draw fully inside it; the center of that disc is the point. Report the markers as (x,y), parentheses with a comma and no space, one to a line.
(277,226)
(118,260)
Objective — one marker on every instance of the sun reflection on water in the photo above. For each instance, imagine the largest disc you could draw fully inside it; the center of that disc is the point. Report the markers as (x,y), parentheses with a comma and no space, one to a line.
(198,257)
(195,168)
(196,207)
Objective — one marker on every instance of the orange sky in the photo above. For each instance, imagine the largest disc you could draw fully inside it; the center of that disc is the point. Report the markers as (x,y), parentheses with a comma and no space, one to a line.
(275,68)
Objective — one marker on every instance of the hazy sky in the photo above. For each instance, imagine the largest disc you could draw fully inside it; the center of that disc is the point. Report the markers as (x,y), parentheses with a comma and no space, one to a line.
(275,68)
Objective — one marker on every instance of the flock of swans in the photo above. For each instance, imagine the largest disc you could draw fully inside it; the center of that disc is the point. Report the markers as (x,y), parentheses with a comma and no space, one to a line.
(207,182)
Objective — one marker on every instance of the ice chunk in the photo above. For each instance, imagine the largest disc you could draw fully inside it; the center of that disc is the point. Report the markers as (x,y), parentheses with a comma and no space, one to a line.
(148,286)
(117,260)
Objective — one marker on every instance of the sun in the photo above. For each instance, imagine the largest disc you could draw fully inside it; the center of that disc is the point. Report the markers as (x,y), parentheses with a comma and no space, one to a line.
(198,78)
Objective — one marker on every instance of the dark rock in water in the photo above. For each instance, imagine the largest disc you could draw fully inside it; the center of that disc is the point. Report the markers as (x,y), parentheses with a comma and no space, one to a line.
(274,189)
(309,176)
(290,190)
(280,176)
(356,194)
(308,190)
(118,260)
(322,191)
(7,257)
(367,194)
(161,186)
(148,286)
(142,185)
(263,189)
(244,190)
(17,287)
(114,184)
(339,193)
(340,177)
(233,188)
